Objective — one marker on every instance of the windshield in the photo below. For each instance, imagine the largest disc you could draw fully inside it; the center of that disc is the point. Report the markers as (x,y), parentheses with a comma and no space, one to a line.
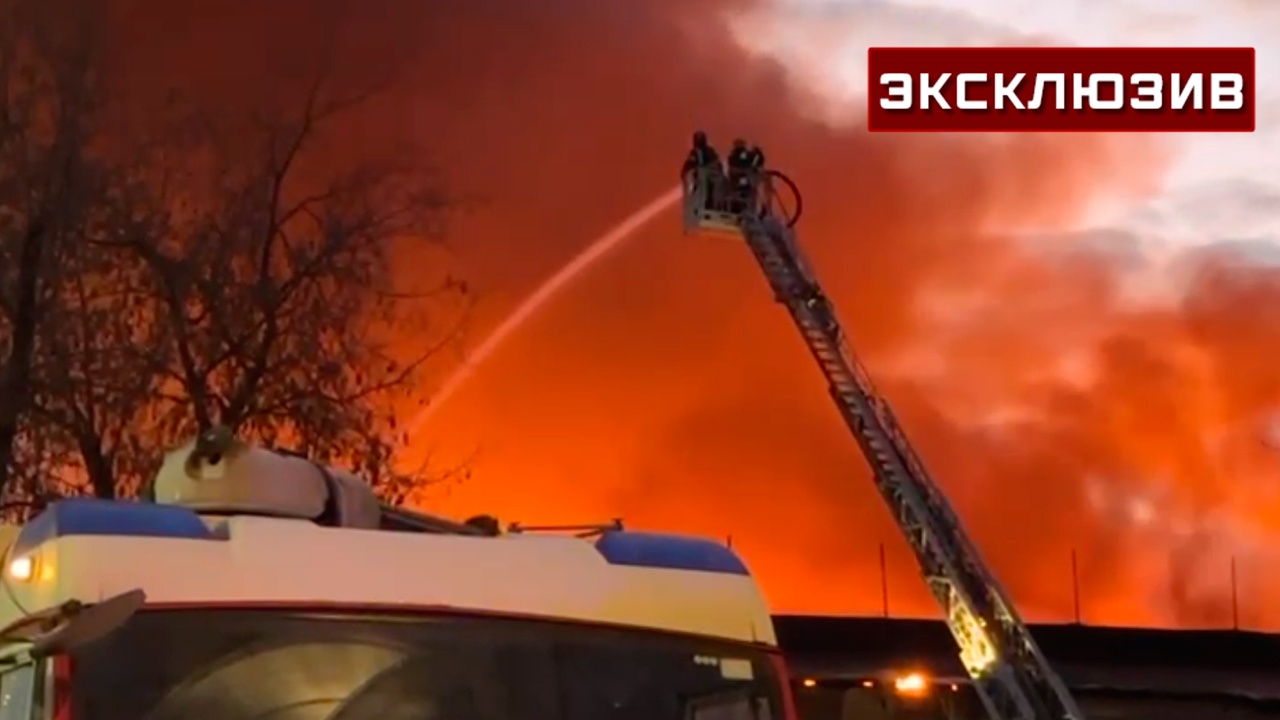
(275,665)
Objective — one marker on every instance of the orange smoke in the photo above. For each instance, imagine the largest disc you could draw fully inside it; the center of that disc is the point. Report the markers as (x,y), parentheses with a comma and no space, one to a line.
(667,389)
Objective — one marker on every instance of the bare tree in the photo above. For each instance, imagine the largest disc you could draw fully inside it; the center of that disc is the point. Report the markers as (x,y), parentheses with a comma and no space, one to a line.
(279,307)
(49,184)
(231,273)
(93,398)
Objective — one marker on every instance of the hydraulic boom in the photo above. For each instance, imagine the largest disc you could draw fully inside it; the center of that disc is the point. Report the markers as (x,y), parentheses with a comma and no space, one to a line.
(1008,670)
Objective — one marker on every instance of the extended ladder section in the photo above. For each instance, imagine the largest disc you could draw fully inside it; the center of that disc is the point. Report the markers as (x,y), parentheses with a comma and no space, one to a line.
(1008,670)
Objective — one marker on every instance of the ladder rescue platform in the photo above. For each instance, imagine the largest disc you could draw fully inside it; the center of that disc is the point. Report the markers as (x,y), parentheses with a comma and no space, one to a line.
(701,214)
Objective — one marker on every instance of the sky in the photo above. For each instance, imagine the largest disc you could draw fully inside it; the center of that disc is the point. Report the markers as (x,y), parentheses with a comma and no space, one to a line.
(1072,328)
(823,43)
(1214,192)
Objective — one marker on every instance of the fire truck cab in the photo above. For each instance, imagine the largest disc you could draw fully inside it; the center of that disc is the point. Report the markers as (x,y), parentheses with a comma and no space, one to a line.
(255,584)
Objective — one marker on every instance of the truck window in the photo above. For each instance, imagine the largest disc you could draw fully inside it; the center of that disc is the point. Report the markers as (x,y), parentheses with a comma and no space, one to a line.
(18,688)
(228,664)
(730,706)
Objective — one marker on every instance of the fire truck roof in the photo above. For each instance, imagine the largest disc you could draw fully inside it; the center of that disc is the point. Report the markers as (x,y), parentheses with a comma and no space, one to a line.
(88,550)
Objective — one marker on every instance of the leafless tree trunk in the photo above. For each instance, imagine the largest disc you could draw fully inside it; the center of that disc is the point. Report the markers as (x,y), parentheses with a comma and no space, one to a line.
(47,97)
(15,374)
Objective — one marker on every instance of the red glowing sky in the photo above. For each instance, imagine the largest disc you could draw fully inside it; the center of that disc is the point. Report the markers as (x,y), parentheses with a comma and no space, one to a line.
(666,388)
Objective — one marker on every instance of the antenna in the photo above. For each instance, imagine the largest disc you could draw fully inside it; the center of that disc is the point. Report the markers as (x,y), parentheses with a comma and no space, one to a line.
(581,531)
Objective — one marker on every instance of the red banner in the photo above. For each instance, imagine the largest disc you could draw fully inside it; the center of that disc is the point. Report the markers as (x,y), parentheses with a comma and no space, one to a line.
(1061,89)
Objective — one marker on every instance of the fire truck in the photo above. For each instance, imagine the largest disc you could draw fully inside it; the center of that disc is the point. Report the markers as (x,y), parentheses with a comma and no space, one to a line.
(251,584)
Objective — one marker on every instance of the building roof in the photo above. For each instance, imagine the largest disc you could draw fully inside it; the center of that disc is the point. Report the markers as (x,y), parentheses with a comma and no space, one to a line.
(1137,659)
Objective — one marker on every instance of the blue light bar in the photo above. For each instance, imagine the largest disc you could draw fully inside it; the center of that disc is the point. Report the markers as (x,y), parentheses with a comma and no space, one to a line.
(84,516)
(670,552)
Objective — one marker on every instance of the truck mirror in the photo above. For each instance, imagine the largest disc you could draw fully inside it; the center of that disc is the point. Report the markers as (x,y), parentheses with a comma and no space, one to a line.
(75,625)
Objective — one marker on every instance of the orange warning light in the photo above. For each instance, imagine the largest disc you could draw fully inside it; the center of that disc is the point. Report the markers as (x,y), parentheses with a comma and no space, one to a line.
(911,685)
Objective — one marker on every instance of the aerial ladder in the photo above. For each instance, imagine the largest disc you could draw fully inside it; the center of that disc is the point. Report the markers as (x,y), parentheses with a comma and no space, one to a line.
(1008,672)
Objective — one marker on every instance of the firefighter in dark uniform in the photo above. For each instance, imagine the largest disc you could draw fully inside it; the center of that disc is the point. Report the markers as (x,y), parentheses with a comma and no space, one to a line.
(704,163)
(821,307)
(739,163)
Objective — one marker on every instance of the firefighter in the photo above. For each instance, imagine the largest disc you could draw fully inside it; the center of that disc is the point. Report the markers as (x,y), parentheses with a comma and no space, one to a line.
(703,164)
(821,307)
(739,163)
